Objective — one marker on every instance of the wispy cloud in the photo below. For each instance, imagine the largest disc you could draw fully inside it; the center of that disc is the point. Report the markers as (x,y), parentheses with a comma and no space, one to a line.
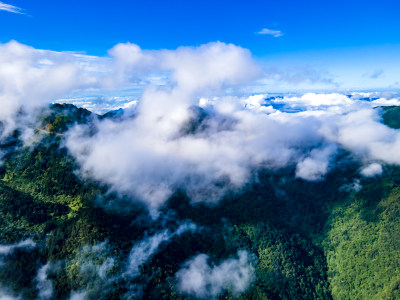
(374,75)
(11,8)
(200,279)
(274,33)
(299,75)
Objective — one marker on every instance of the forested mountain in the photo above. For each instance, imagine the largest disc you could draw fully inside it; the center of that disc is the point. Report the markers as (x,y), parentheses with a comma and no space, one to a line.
(64,236)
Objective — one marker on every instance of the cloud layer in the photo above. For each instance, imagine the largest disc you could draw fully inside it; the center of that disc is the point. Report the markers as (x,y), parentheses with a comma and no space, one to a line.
(191,128)
(189,135)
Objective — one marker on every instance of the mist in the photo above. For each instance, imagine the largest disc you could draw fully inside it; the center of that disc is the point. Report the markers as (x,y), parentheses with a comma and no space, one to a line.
(200,131)
(192,134)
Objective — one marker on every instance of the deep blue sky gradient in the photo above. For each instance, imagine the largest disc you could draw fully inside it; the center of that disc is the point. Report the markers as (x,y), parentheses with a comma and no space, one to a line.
(95,26)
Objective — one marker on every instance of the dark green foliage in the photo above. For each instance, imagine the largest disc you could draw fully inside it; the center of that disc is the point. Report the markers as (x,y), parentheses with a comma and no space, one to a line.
(61,116)
(19,270)
(21,215)
(44,170)
(290,267)
(114,115)
(362,243)
(391,116)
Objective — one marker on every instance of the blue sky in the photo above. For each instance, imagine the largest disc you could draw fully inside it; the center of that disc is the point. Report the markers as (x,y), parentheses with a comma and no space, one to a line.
(354,43)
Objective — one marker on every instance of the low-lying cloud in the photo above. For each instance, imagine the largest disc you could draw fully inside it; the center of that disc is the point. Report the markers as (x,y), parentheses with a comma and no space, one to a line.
(189,135)
(44,285)
(203,280)
(194,132)
(372,170)
(6,249)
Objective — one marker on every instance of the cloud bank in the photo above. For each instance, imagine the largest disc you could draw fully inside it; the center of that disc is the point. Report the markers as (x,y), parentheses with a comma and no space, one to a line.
(188,134)
(192,128)
(30,78)
(160,155)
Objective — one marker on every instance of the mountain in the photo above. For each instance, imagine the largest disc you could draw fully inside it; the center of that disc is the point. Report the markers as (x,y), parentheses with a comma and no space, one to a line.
(63,235)
(391,116)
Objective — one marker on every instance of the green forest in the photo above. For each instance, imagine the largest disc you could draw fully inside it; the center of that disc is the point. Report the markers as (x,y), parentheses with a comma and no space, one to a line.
(307,240)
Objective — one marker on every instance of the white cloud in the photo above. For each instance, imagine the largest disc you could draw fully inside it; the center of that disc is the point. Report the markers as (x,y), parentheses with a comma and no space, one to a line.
(316,100)
(386,102)
(5,294)
(144,249)
(372,170)
(274,33)
(78,295)
(200,279)
(316,165)
(6,249)
(27,82)
(212,65)
(102,105)
(208,151)
(44,285)
(141,252)
(148,157)
(362,133)
(257,103)
(11,8)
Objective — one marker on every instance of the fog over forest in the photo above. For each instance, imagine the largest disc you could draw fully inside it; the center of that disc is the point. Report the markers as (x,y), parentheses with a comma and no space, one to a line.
(198,188)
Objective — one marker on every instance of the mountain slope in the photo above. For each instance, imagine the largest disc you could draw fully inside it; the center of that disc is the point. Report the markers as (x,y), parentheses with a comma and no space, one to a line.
(308,240)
